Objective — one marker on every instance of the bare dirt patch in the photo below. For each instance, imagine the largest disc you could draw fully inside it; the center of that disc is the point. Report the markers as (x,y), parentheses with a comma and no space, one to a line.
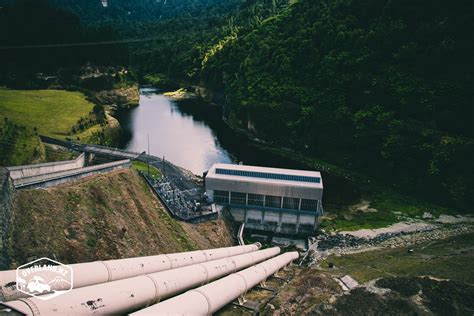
(362,206)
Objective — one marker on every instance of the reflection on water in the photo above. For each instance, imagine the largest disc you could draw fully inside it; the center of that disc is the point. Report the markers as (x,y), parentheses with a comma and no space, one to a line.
(181,139)
(192,135)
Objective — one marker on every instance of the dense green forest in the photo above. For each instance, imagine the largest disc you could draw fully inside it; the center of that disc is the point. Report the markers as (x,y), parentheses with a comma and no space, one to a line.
(383,87)
(38,22)
(186,42)
(124,11)
(173,36)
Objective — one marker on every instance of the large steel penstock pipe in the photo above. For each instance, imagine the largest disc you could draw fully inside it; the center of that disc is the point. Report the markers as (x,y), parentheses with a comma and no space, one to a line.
(90,273)
(128,295)
(210,298)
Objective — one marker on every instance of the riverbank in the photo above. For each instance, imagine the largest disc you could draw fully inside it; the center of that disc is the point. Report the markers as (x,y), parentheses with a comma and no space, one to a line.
(344,189)
(119,97)
(181,94)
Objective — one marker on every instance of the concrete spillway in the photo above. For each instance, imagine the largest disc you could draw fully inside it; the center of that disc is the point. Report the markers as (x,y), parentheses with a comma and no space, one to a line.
(91,273)
(209,298)
(130,294)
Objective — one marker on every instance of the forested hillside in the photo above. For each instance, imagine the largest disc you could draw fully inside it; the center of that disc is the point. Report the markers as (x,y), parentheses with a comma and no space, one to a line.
(28,27)
(183,41)
(376,86)
(121,11)
(173,36)
(379,86)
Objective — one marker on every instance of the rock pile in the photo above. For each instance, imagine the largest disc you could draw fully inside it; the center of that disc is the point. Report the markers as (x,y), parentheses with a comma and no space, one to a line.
(343,243)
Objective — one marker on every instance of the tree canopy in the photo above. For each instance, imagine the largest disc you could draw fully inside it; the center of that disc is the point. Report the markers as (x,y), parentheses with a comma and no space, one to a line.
(376,85)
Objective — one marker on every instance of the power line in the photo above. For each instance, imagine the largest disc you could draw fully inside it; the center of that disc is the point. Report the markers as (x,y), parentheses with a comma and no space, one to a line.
(124,41)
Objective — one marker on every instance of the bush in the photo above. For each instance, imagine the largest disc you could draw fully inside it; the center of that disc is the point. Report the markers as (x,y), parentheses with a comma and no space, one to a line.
(403,285)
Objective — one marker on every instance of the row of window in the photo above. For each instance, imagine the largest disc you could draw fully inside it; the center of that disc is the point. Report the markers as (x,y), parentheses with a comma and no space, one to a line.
(285,227)
(221,196)
(267,175)
(306,227)
(239,198)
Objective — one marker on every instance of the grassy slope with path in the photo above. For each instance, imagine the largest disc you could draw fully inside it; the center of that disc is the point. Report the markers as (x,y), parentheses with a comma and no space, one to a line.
(113,215)
(52,112)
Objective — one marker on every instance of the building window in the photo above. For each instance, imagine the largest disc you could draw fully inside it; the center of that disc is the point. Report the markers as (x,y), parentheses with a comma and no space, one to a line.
(271,224)
(221,196)
(291,203)
(255,199)
(309,205)
(273,201)
(306,228)
(238,198)
(288,228)
(254,221)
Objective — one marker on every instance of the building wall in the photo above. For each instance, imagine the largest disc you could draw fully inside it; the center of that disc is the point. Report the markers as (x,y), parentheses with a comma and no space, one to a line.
(276,221)
(297,191)
(268,201)
(289,219)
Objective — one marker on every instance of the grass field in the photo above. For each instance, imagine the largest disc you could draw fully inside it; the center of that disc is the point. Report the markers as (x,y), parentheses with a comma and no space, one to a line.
(391,207)
(52,112)
(143,167)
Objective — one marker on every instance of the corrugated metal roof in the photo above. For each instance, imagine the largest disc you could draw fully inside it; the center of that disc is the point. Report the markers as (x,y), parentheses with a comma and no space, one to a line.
(255,174)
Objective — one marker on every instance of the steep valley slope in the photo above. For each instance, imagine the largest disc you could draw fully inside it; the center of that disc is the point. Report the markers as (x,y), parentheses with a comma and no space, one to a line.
(103,217)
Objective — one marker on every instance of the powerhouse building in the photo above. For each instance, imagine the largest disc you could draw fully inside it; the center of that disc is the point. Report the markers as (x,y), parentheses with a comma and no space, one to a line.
(270,199)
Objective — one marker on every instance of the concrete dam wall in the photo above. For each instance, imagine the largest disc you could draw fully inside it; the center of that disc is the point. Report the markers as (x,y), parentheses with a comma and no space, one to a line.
(55,178)
(20,172)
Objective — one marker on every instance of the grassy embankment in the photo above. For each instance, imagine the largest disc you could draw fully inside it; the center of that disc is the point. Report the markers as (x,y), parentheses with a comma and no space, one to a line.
(143,167)
(114,215)
(52,112)
(19,145)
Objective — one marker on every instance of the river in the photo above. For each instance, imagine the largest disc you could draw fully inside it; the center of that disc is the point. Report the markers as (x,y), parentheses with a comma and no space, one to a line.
(192,135)
(189,133)
(178,136)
